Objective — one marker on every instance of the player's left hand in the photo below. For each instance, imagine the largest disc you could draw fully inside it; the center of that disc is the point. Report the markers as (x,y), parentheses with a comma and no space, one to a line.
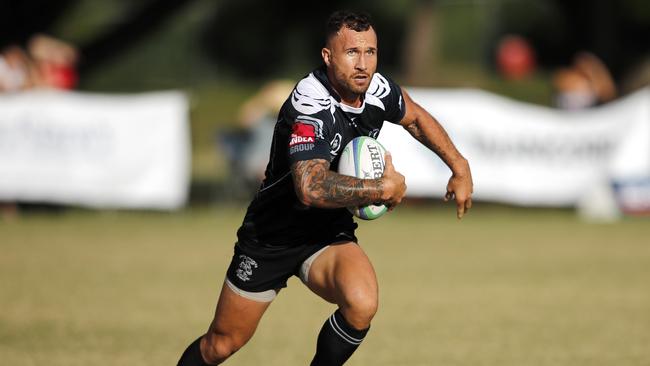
(460,188)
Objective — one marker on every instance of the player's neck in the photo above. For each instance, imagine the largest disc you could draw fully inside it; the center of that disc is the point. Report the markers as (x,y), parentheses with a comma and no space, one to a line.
(353,100)
(347,98)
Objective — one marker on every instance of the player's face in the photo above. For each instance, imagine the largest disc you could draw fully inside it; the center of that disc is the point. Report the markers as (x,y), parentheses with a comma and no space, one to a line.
(351,58)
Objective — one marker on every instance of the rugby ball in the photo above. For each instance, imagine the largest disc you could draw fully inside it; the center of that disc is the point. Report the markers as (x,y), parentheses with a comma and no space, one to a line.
(363,157)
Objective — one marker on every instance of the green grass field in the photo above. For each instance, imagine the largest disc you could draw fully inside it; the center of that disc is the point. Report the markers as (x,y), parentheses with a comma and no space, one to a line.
(501,287)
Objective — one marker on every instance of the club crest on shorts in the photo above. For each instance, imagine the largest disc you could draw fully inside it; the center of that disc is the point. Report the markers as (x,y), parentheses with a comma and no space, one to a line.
(245,269)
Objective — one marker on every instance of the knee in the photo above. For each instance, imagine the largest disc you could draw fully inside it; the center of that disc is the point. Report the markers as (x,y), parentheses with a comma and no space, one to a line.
(218,347)
(360,308)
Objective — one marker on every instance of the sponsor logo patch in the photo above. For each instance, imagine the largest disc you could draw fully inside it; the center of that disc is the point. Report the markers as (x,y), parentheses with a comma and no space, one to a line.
(301,147)
(302,133)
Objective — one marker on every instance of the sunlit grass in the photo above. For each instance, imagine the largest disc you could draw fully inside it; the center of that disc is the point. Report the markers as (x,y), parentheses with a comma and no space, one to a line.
(501,287)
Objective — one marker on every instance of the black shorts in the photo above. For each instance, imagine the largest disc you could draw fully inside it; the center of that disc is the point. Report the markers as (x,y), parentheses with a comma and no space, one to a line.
(258,269)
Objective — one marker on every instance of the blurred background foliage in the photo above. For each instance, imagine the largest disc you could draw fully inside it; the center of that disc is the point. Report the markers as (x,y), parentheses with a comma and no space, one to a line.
(220,52)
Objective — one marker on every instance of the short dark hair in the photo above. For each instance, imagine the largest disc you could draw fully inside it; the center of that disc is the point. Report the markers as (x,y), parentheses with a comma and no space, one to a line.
(359,22)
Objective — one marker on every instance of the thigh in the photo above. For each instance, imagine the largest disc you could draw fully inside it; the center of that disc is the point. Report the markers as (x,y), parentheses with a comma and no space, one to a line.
(236,317)
(343,274)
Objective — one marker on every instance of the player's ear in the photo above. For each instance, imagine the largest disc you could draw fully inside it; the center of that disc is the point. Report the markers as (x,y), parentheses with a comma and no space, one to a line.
(326,54)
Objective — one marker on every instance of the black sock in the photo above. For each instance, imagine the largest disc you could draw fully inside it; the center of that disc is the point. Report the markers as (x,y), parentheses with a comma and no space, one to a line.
(192,355)
(337,341)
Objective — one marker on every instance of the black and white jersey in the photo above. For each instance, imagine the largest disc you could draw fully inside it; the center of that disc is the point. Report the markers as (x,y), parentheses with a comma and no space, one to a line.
(313,124)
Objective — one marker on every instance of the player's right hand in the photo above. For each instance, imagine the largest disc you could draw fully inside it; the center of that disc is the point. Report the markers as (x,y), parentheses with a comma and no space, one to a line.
(394,186)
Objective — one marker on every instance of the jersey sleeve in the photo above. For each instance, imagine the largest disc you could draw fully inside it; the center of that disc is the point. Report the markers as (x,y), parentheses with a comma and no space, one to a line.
(392,99)
(309,139)
(309,120)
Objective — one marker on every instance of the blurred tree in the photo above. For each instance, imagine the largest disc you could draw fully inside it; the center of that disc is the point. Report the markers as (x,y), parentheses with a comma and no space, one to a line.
(419,58)
(615,30)
(20,19)
(127,32)
(260,39)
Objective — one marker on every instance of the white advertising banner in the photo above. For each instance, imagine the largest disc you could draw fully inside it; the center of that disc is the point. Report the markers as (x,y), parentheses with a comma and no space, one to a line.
(527,154)
(104,151)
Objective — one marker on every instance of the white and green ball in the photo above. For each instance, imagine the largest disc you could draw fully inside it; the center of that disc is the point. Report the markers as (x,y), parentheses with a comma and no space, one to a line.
(363,157)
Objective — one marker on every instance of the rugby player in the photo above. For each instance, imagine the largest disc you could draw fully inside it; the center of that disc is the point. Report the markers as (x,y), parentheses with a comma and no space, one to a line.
(297,223)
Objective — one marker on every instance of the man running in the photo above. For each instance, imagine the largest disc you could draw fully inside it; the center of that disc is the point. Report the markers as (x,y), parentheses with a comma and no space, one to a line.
(297,224)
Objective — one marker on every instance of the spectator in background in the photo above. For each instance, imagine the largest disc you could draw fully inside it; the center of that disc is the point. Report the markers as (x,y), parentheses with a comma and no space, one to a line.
(258,115)
(247,147)
(16,70)
(55,61)
(47,63)
(515,57)
(585,83)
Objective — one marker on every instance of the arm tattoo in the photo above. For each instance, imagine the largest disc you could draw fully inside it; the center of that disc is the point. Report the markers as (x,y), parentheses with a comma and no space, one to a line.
(414,129)
(316,185)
